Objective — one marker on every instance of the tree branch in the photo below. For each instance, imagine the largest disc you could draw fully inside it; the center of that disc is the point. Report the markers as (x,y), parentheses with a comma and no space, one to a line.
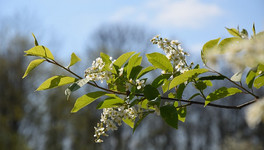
(189,102)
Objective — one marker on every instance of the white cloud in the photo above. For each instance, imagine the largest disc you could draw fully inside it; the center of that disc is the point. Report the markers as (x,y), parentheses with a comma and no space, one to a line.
(171,13)
(123,13)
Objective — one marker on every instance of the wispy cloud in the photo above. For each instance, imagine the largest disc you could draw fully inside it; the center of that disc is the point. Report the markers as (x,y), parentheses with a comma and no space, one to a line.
(170,13)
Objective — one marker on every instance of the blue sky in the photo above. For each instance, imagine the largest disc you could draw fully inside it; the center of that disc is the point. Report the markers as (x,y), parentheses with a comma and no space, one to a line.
(65,25)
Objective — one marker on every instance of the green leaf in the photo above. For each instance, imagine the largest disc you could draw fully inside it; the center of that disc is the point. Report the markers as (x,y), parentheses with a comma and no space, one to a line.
(210,45)
(154,102)
(160,79)
(134,72)
(250,77)
(260,69)
(237,76)
(144,114)
(259,81)
(233,32)
(40,51)
(165,86)
(32,65)
(254,29)
(179,91)
(56,81)
(182,112)
(74,59)
(105,58)
(145,70)
(35,40)
(150,92)
(201,85)
(133,61)
(194,95)
(75,86)
(226,42)
(129,122)
(244,33)
(212,78)
(170,115)
(160,61)
(144,104)
(186,76)
(122,59)
(221,93)
(86,100)
(111,101)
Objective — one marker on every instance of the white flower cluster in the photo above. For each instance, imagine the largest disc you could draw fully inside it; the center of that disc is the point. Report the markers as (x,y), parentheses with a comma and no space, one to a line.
(173,51)
(245,53)
(239,54)
(111,117)
(255,113)
(96,72)
(140,83)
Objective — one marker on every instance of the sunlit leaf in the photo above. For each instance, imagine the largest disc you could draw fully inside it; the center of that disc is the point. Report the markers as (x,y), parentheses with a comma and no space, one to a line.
(129,122)
(160,79)
(210,45)
(259,81)
(237,76)
(133,61)
(75,86)
(123,58)
(86,99)
(233,32)
(160,61)
(260,69)
(35,40)
(74,59)
(182,112)
(221,93)
(40,51)
(111,101)
(165,86)
(32,65)
(227,42)
(186,76)
(145,70)
(250,77)
(105,58)
(170,115)
(56,81)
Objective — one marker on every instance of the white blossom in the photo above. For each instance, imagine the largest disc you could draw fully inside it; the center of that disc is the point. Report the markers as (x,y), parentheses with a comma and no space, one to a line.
(140,83)
(111,117)
(174,53)
(121,70)
(255,113)
(96,71)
